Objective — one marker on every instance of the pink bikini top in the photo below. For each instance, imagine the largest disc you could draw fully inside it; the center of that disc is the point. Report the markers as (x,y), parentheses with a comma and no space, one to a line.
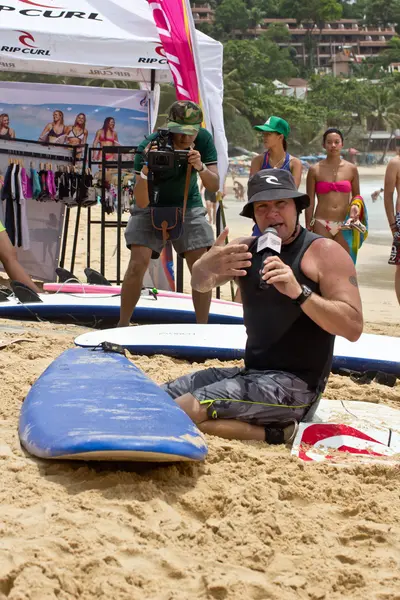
(324,187)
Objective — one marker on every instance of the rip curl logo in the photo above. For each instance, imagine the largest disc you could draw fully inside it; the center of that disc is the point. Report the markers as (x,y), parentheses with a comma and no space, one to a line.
(160,50)
(319,440)
(27,45)
(161,53)
(271,179)
(32,9)
(25,38)
(39,5)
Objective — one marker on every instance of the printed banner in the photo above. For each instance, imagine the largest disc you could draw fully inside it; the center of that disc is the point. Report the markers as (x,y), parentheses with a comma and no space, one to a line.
(172,21)
(75,115)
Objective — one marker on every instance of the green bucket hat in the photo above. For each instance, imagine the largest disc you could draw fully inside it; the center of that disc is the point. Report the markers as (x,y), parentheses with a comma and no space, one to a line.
(275,125)
(185,117)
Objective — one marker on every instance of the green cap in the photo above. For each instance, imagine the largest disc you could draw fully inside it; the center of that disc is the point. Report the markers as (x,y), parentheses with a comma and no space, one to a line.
(185,117)
(276,125)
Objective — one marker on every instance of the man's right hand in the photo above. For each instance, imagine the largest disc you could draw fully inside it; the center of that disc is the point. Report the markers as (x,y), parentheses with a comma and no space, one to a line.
(227,260)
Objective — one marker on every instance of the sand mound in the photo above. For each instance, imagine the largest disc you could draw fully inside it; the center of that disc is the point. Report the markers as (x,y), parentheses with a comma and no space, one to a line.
(249,523)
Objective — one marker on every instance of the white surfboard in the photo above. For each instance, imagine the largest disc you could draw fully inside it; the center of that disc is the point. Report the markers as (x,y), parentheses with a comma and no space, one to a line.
(184,341)
(344,432)
(87,307)
(370,352)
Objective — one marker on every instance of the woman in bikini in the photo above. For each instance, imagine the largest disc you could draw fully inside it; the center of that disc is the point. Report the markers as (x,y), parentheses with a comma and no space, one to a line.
(335,182)
(276,156)
(106,137)
(77,134)
(55,132)
(6,133)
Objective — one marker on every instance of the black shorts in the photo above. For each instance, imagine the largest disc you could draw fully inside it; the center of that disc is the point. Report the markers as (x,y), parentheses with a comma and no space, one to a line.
(256,397)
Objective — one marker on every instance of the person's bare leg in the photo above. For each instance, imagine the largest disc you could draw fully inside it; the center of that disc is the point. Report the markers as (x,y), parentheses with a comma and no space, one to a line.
(339,238)
(201,301)
(229,429)
(397,283)
(15,271)
(132,284)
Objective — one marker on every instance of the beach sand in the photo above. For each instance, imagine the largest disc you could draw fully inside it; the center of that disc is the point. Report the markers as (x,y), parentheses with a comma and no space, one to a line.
(250,523)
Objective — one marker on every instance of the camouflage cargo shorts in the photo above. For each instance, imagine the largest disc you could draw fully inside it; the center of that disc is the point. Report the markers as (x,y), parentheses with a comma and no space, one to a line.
(256,397)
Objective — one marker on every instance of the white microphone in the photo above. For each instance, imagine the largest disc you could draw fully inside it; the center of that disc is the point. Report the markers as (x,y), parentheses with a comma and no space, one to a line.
(269,243)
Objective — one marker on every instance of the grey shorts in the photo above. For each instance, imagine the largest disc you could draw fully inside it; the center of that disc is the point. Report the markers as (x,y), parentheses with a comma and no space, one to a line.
(197,233)
(256,397)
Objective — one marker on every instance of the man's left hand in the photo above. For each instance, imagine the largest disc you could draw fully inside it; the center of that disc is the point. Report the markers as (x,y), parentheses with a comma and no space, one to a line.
(194,159)
(281,276)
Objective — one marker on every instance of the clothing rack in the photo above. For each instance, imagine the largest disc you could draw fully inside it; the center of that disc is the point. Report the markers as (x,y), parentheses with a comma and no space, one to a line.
(105,165)
(57,153)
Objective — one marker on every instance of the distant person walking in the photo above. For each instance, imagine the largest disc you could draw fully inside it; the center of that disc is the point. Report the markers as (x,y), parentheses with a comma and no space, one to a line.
(392,208)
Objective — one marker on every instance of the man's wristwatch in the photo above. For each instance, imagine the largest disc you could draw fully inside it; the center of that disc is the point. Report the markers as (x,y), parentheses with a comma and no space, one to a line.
(305,293)
(203,168)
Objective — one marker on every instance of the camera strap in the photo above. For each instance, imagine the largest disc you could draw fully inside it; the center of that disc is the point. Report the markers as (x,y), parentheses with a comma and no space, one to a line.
(186,191)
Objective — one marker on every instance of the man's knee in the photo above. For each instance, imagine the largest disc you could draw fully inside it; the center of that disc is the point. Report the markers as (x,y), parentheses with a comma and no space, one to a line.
(192,407)
(193,255)
(138,262)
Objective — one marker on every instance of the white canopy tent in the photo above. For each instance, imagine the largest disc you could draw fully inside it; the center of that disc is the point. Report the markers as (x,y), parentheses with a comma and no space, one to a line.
(105,39)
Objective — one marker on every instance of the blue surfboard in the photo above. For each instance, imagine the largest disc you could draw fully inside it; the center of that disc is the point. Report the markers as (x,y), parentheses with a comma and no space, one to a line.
(96,405)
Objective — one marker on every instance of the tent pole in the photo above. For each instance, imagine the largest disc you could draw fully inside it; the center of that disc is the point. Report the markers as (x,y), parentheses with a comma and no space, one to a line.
(103,213)
(119,216)
(65,238)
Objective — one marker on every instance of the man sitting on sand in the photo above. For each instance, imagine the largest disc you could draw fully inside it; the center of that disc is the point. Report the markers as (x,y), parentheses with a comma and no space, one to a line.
(291,323)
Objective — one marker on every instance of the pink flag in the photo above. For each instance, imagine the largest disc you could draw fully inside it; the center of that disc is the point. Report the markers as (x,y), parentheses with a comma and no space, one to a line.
(173,22)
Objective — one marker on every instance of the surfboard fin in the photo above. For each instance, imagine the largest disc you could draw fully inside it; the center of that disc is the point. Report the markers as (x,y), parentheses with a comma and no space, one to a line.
(5,292)
(65,275)
(24,293)
(95,278)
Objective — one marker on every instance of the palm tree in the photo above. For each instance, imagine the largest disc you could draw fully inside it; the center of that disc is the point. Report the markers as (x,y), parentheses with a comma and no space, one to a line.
(383,105)
(234,100)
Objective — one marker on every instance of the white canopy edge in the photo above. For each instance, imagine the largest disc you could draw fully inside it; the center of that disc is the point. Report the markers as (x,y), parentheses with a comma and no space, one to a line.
(103,39)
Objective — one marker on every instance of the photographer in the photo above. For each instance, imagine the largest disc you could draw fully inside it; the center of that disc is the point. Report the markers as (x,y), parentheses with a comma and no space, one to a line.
(168,202)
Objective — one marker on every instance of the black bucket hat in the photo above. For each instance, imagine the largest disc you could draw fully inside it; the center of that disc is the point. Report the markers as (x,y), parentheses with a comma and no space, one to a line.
(272,184)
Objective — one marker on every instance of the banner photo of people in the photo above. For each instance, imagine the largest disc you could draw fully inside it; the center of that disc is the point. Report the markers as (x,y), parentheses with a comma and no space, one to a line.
(74,115)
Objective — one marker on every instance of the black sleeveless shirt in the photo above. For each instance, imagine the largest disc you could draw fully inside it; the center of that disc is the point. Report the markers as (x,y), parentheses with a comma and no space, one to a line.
(280,336)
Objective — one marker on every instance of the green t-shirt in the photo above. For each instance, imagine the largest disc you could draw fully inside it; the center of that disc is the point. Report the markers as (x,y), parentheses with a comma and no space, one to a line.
(171,184)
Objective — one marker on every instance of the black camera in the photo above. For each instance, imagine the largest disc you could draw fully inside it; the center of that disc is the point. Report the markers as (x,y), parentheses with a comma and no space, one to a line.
(164,157)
